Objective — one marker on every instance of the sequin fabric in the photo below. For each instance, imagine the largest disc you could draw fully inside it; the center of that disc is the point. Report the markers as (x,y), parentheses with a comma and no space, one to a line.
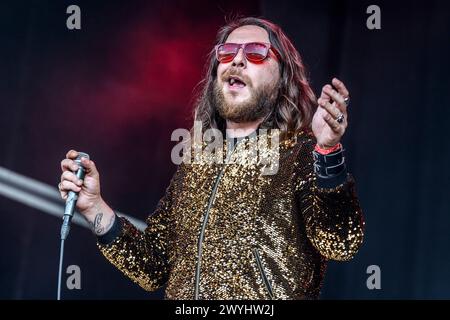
(225,231)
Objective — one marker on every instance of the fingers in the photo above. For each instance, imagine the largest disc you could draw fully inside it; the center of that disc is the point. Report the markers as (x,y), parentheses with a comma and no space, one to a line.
(330,108)
(90,167)
(70,176)
(336,97)
(72,154)
(65,186)
(330,114)
(69,165)
(329,94)
(69,181)
(323,96)
(334,125)
(69,186)
(339,85)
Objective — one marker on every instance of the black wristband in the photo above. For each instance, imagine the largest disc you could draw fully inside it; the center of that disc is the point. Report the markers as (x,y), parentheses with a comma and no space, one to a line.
(329,165)
(112,233)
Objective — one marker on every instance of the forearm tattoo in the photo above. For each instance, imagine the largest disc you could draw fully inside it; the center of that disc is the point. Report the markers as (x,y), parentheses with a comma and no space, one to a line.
(97,226)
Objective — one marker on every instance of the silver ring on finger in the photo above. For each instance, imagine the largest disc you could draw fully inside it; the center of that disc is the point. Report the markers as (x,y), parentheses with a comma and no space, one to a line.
(340,118)
(347,101)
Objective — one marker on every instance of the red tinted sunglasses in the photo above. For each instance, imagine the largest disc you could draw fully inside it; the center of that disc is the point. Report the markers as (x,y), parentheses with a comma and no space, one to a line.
(253,51)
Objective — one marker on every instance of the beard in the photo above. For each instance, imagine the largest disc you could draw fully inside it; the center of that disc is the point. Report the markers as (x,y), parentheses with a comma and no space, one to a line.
(260,104)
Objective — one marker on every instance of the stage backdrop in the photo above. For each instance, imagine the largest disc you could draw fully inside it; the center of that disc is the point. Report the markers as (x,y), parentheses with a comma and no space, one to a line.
(118,87)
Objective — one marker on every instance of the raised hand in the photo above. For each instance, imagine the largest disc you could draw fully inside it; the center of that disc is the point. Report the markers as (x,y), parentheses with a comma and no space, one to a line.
(330,120)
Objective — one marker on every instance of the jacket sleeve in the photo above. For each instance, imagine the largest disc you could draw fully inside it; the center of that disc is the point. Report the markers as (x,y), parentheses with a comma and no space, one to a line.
(332,215)
(144,257)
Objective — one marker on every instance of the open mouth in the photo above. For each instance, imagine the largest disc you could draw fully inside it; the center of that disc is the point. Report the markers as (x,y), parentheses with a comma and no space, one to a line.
(236,82)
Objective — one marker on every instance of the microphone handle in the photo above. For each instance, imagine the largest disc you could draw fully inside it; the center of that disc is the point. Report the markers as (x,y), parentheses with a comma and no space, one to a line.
(71,201)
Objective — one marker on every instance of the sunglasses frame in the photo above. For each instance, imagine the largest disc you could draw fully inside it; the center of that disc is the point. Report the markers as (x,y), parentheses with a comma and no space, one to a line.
(243,45)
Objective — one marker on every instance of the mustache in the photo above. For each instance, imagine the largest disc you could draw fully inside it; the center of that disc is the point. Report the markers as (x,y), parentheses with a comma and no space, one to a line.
(235,72)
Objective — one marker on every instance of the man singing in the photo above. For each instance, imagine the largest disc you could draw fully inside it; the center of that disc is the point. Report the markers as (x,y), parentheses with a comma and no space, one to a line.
(225,230)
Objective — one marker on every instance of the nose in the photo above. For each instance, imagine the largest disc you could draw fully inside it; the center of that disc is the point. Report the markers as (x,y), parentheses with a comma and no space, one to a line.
(239,60)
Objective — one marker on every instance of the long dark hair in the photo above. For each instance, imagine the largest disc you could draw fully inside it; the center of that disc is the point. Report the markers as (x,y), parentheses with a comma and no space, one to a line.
(296,102)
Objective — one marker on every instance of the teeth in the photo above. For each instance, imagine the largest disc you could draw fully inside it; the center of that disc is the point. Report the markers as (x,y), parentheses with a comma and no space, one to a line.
(232,81)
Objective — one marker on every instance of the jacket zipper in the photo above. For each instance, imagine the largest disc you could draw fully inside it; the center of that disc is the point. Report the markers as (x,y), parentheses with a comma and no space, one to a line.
(205,221)
(263,273)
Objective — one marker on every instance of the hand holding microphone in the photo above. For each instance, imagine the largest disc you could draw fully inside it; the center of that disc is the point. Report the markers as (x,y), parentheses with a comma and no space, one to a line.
(80,187)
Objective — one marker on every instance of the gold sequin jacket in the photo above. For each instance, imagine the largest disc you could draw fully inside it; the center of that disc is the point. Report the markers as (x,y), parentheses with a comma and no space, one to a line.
(225,231)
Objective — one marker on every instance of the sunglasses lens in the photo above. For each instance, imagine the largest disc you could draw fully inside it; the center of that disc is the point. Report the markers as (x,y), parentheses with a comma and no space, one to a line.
(226,52)
(256,51)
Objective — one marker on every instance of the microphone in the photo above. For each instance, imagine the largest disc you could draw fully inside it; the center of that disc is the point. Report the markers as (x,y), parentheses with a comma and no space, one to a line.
(71,201)
(72,198)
